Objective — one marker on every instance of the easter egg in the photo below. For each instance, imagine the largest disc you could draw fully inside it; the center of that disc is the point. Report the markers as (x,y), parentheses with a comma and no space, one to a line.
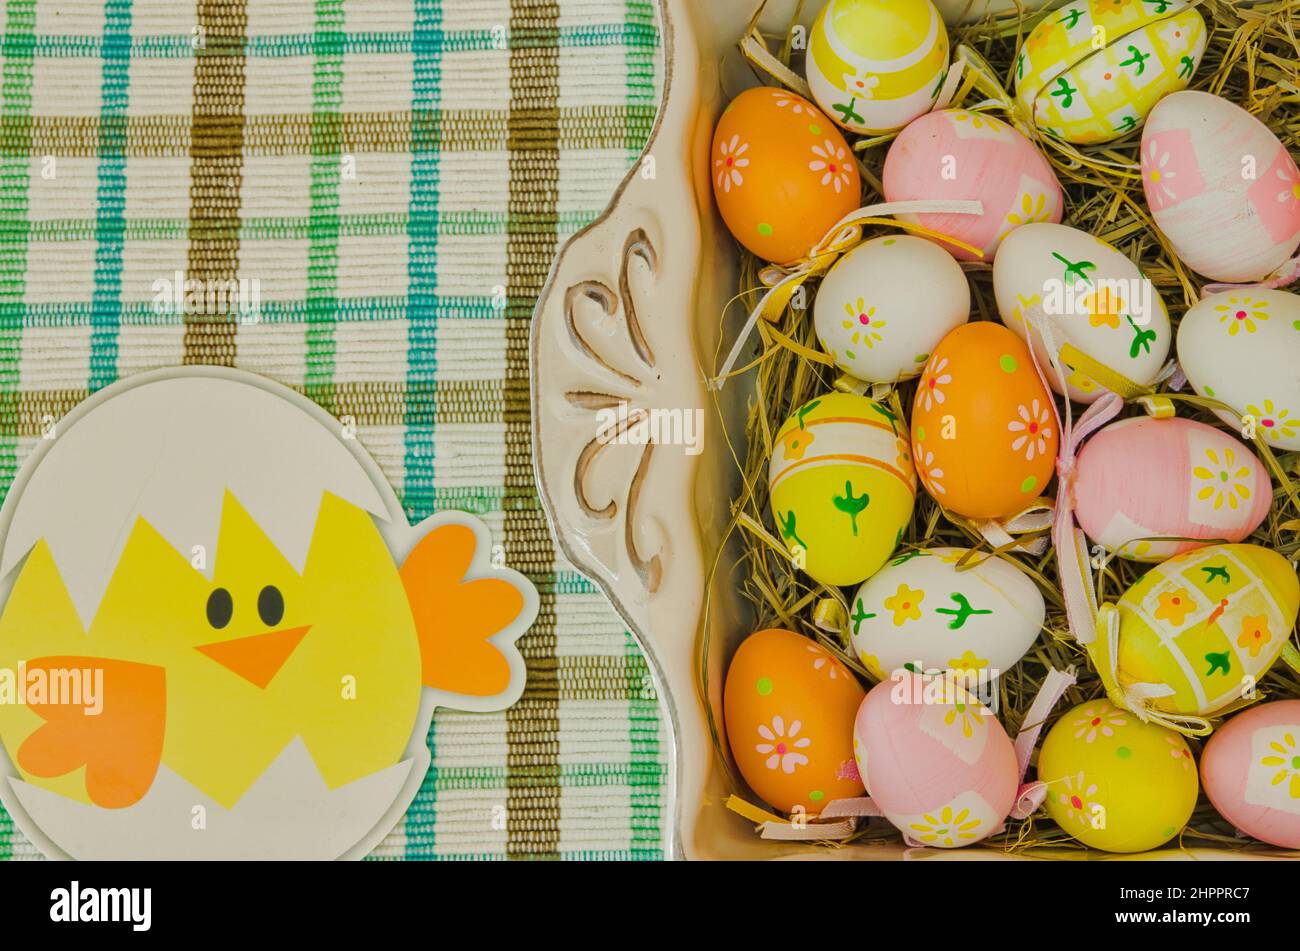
(1086,297)
(788,706)
(783,176)
(1114,782)
(1251,772)
(1207,623)
(842,487)
(1242,348)
(958,155)
(1086,95)
(923,612)
(875,65)
(935,760)
(1222,188)
(886,304)
(1142,478)
(984,435)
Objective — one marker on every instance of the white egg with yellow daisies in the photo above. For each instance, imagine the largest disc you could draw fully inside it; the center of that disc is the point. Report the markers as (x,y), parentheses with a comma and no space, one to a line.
(1240,347)
(945,608)
(886,304)
(875,65)
(244,625)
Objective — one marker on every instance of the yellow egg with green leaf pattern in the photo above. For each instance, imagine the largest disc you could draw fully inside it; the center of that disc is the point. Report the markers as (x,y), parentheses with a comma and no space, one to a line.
(1093,70)
(1208,624)
(842,486)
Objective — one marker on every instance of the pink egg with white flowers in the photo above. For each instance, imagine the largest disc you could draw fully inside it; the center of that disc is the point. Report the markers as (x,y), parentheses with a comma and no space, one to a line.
(957,154)
(1143,479)
(935,760)
(1251,772)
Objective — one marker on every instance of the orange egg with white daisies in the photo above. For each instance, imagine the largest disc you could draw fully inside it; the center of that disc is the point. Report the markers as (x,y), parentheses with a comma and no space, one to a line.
(782,174)
(788,706)
(984,432)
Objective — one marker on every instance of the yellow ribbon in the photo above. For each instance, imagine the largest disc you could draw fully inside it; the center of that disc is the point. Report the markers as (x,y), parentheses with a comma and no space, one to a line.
(1135,697)
(1098,372)
(750,811)
(773,826)
(830,616)
(1158,407)
(983,78)
(754,48)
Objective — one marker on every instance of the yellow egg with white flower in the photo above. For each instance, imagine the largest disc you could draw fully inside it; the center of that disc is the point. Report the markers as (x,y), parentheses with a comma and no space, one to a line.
(1114,782)
(875,65)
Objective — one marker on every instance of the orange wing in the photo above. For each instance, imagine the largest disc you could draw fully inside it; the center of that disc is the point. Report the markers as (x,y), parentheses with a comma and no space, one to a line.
(454,618)
(120,745)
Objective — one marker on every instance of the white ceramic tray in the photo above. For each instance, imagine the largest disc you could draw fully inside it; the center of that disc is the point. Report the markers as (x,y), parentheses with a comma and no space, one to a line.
(630,315)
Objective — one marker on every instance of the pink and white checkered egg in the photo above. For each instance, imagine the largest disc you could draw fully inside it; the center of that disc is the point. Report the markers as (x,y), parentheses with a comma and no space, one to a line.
(1222,188)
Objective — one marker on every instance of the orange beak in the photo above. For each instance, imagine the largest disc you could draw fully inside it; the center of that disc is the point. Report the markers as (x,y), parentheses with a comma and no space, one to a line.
(257,658)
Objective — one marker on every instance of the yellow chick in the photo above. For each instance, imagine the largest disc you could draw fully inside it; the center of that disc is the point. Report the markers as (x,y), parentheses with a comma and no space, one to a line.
(209,677)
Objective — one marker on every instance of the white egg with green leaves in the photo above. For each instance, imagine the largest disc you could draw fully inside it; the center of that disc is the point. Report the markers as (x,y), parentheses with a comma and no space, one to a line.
(1086,299)
(930,610)
(886,304)
(1242,348)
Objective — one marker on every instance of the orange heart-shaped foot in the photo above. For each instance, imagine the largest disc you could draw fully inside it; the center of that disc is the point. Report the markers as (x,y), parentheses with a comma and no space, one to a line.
(455,617)
(117,736)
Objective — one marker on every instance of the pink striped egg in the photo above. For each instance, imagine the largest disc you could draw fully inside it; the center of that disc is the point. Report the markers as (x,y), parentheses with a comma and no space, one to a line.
(958,154)
(1251,772)
(935,759)
(1145,477)
(1221,187)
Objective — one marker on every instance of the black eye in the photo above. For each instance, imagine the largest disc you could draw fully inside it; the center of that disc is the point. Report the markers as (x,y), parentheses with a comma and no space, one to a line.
(270,605)
(220,607)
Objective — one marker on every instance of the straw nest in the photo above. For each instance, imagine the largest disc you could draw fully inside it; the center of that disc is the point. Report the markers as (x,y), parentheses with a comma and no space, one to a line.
(1252,59)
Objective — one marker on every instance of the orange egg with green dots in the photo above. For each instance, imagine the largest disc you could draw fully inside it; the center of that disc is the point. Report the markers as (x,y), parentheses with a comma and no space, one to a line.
(788,706)
(984,430)
(782,173)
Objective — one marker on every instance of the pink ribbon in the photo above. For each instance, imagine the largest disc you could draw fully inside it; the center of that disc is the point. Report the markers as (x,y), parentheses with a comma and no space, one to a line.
(1030,796)
(1074,566)
(1284,275)
(857,808)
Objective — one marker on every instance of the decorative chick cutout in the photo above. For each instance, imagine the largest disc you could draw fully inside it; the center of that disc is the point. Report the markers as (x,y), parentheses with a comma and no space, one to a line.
(209,688)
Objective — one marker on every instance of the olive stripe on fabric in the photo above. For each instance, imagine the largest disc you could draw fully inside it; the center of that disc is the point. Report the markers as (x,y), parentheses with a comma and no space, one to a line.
(326,158)
(459,130)
(533,725)
(216,149)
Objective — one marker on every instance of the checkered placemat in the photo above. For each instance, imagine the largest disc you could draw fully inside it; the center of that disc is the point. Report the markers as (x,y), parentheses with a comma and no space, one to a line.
(392,178)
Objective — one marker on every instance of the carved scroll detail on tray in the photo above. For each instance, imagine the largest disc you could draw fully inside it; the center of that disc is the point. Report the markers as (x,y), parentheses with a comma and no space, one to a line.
(618,347)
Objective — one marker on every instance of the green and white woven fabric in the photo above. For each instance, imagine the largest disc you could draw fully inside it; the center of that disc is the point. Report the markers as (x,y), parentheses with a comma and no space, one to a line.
(393,179)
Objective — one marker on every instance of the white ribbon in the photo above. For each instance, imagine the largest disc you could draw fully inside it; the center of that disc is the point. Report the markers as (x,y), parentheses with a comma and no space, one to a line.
(781,281)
